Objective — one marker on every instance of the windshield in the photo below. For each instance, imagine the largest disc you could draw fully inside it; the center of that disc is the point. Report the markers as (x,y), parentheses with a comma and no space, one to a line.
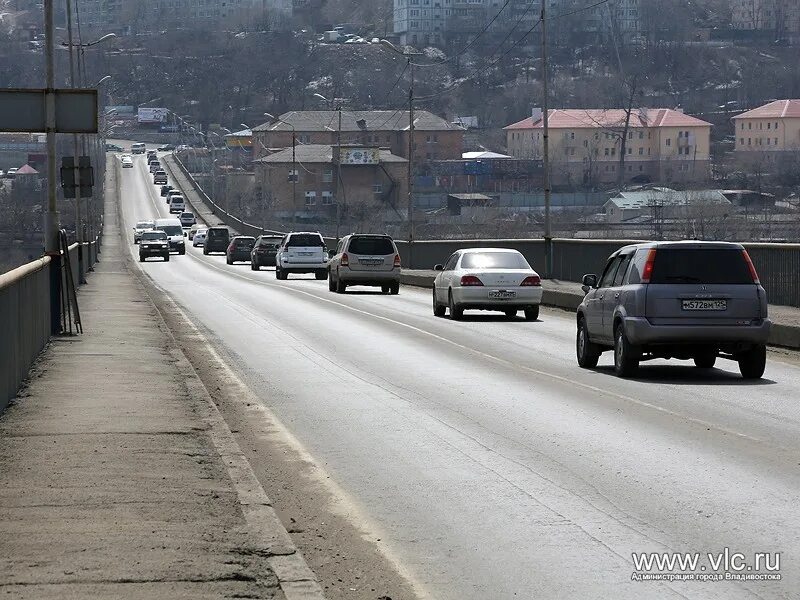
(306,240)
(172,229)
(494,260)
(154,235)
(269,241)
(144,225)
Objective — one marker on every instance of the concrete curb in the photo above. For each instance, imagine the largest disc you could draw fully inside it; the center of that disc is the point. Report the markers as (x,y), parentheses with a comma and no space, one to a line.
(268,535)
(781,334)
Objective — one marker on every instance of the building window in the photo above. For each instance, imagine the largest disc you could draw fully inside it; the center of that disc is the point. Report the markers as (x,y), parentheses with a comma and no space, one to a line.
(749,125)
(613,151)
(641,135)
(749,141)
(630,150)
(585,143)
(769,125)
(742,125)
(776,141)
(294,176)
(768,141)
(776,124)
(311,198)
(641,151)
(680,134)
(606,151)
(669,142)
(377,188)
(327,176)
(327,198)
(741,141)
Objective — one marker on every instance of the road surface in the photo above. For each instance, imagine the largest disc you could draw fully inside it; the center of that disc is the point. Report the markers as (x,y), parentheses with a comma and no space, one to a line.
(491,466)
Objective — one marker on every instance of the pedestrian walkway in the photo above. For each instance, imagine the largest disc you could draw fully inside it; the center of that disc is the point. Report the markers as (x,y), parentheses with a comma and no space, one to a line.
(111,479)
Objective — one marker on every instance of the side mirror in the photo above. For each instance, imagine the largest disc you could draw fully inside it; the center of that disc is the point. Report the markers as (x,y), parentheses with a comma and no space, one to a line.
(277,246)
(331,253)
(185,234)
(438,268)
(589,282)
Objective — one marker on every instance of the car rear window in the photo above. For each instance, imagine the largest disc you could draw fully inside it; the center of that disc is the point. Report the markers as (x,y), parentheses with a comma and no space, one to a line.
(371,245)
(269,241)
(154,235)
(494,260)
(704,266)
(248,241)
(306,239)
(218,233)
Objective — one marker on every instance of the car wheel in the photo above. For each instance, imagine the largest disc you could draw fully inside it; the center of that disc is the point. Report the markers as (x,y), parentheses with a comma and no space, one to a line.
(228,260)
(394,289)
(254,266)
(456,312)
(626,355)
(753,362)
(705,361)
(532,313)
(320,275)
(166,258)
(438,309)
(205,251)
(279,274)
(588,352)
(331,283)
(182,251)
(341,286)
(385,289)
(141,258)
(510,313)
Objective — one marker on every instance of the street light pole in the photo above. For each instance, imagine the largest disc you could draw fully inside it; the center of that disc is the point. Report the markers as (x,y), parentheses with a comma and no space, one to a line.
(548,235)
(75,153)
(294,163)
(51,223)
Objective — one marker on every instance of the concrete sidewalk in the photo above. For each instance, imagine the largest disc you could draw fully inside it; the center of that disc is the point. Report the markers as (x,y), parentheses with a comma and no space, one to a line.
(119,478)
(568,295)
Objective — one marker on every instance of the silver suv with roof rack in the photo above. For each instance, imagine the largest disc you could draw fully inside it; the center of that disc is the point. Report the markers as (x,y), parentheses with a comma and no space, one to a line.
(684,300)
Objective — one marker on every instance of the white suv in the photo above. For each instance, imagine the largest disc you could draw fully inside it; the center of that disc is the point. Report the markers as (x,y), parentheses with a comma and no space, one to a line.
(302,252)
(176,205)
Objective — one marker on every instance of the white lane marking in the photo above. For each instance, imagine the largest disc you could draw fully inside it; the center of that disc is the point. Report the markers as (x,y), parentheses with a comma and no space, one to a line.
(502,361)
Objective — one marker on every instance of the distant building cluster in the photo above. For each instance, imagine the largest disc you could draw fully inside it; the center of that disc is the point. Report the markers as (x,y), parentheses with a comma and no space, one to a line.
(780,16)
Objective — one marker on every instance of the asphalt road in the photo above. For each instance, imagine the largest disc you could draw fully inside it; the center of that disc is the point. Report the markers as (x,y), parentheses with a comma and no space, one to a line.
(491,465)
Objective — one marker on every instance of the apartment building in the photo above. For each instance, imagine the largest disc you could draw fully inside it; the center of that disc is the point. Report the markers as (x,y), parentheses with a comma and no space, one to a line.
(445,22)
(662,145)
(434,138)
(779,16)
(769,132)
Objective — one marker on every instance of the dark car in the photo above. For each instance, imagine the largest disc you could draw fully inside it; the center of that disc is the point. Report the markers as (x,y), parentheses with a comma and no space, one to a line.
(166,148)
(239,249)
(153,243)
(217,240)
(684,300)
(264,251)
(165,189)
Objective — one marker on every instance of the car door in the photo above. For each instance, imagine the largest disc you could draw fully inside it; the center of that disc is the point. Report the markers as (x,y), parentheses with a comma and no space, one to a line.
(594,299)
(613,295)
(442,281)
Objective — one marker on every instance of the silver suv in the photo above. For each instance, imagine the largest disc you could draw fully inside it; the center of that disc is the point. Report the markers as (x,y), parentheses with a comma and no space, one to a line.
(301,252)
(365,259)
(684,300)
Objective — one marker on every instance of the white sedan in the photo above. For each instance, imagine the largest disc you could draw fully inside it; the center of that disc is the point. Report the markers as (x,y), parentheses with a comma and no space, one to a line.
(487,279)
(199,238)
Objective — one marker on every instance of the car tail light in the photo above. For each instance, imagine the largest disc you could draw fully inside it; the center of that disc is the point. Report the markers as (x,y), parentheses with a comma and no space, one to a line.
(230,247)
(468,280)
(647,272)
(345,260)
(396,260)
(751,266)
(533,280)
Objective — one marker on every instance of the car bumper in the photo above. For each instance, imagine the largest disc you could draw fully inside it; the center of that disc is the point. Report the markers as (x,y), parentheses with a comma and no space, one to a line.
(641,332)
(264,260)
(478,297)
(240,256)
(298,267)
(176,246)
(369,277)
(145,252)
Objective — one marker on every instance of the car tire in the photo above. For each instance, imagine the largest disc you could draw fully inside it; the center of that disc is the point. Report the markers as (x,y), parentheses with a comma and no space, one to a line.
(532,313)
(626,355)
(705,361)
(394,289)
(456,311)
(254,266)
(385,289)
(588,352)
(331,283)
(205,251)
(753,362)
(511,313)
(439,310)
(341,286)
(320,275)
(228,260)
(182,251)
(166,258)
(141,258)
(279,274)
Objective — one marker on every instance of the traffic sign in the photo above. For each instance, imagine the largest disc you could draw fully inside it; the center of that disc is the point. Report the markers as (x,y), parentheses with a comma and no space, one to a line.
(23,110)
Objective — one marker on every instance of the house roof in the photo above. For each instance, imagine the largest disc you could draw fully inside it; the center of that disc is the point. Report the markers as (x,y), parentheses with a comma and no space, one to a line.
(773,110)
(27,170)
(357,120)
(242,133)
(483,154)
(316,153)
(666,197)
(568,118)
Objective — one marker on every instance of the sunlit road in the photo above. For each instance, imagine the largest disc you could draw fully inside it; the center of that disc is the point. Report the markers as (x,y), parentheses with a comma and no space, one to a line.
(493,466)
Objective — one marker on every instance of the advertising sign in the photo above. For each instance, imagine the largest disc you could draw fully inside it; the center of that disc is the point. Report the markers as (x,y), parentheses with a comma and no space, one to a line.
(359,156)
(153,115)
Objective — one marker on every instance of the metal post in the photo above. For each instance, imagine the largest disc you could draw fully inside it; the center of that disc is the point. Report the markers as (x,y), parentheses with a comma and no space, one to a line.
(294,174)
(51,221)
(75,154)
(548,236)
(410,174)
(339,174)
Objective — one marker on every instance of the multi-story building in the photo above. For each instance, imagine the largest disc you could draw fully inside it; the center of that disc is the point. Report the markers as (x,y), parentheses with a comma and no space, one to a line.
(444,22)
(585,144)
(311,180)
(434,138)
(769,132)
(779,16)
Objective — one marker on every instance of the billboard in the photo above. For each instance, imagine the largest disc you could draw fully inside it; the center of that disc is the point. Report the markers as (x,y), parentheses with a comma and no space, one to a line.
(152,115)
(359,156)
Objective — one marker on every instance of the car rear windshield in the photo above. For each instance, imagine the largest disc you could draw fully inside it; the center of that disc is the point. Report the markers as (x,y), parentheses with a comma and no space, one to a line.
(218,233)
(371,245)
(269,241)
(494,260)
(704,266)
(144,225)
(245,241)
(154,235)
(306,239)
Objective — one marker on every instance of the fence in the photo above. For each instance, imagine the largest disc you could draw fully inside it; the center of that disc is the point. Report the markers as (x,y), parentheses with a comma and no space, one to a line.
(25,316)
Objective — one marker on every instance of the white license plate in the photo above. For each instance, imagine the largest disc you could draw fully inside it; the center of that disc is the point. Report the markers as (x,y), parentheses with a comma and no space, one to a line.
(704,305)
(502,295)
(370,262)
(305,253)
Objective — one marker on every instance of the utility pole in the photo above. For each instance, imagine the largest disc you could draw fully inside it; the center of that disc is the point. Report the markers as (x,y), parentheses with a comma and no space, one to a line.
(51,222)
(338,171)
(75,153)
(548,235)
(410,163)
(295,175)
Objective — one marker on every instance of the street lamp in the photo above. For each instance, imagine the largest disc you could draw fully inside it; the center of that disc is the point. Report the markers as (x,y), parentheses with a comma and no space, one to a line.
(337,162)
(294,161)
(408,54)
(107,36)
(102,81)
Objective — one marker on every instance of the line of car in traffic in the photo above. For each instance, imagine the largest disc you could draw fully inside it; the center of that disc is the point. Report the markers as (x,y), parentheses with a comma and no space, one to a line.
(688,300)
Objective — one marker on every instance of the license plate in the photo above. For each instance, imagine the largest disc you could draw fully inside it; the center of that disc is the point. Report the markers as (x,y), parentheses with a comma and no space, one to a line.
(704,305)
(371,262)
(502,295)
(305,253)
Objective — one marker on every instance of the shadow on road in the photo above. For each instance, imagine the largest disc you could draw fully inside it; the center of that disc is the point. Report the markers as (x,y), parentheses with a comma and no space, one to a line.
(687,375)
